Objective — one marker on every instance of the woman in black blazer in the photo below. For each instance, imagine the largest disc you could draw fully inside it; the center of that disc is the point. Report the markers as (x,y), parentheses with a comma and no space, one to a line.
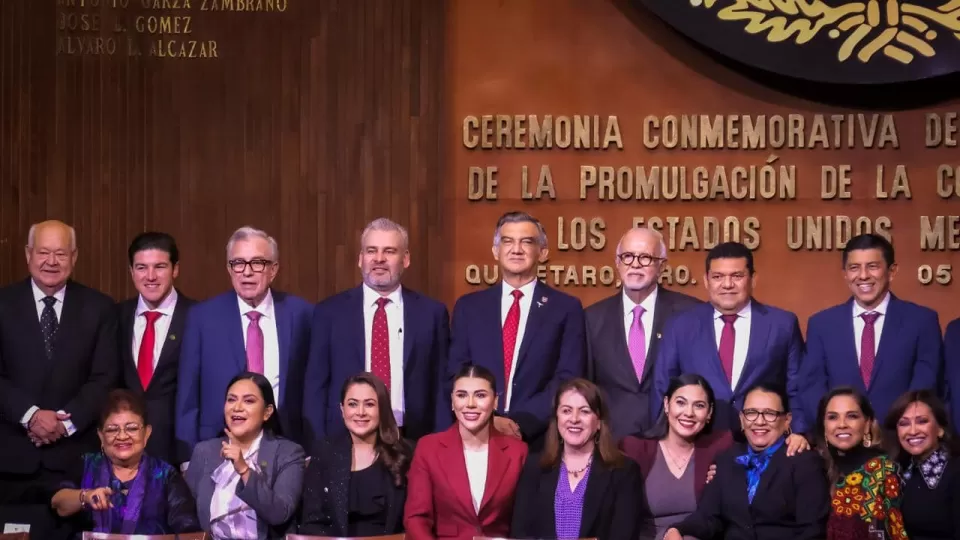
(356,483)
(581,486)
(759,492)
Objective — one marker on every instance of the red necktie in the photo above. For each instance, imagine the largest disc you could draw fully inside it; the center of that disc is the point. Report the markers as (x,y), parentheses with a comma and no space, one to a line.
(511,326)
(380,343)
(145,356)
(728,338)
(868,351)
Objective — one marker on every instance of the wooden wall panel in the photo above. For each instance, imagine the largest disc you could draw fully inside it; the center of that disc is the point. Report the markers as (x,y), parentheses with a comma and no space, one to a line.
(310,123)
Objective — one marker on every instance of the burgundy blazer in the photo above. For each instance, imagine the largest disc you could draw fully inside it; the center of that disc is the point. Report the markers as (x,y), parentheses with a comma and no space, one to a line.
(439,504)
(706,448)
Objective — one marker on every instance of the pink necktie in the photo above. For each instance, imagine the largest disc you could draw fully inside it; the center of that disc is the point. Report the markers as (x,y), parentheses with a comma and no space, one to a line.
(380,343)
(254,343)
(637,342)
(511,327)
(868,353)
(728,338)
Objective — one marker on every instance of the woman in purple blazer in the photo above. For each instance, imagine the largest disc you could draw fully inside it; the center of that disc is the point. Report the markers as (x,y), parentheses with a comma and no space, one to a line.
(683,436)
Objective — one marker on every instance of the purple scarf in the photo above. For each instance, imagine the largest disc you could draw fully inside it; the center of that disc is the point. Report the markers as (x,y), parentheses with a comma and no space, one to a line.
(98,472)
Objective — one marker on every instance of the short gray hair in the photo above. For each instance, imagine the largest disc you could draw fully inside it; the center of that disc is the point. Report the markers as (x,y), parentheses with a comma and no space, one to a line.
(520,217)
(32,235)
(652,232)
(385,224)
(246,233)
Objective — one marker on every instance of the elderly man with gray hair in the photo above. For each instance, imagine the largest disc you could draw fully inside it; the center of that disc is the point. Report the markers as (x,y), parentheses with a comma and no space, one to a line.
(251,328)
(382,327)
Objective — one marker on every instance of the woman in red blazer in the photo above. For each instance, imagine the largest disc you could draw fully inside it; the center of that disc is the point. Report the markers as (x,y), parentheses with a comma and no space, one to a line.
(461,482)
(672,486)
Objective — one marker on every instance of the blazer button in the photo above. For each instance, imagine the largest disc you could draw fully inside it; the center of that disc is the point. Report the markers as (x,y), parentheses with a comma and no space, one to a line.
(326,490)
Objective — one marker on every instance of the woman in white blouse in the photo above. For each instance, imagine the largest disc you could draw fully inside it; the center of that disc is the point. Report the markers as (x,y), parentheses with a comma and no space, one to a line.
(247,483)
(461,482)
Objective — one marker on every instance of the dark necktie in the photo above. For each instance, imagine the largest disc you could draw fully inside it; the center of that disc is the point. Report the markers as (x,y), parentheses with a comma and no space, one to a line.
(49,324)
(728,338)
(868,344)
(380,343)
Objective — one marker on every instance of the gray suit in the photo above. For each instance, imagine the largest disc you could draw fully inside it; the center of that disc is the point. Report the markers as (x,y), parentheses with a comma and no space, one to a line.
(273,494)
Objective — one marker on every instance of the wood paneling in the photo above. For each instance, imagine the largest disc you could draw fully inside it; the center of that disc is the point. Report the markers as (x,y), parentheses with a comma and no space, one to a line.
(567,57)
(312,122)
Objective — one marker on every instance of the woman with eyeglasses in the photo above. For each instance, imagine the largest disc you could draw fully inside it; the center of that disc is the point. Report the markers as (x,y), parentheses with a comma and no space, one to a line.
(123,490)
(865,497)
(923,445)
(759,492)
(247,483)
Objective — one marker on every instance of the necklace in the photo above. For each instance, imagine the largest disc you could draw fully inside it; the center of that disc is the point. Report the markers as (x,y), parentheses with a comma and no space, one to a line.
(577,472)
(679,464)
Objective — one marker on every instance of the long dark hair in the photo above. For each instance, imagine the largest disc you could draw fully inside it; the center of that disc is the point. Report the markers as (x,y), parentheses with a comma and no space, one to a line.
(272,425)
(393,451)
(662,427)
(820,430)
(900,406)
(610,455)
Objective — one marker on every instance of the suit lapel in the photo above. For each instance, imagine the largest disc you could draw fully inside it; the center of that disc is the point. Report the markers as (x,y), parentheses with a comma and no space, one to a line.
(235,329)
(284,329)
(411,327)
(497,463)
(454,465)
(737,482)
(707,335)
(538,311)
(491,335)
(759,337)
(893,318)
(35,335)
(340,472)
(356,326)
(174,334)
(661,312)
(777,462)
(128,315)
(598,485)
(70,318)
(851,362)
(616,338)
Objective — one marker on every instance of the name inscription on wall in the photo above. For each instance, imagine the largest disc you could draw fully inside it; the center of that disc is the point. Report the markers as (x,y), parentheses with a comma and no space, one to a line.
(152,28)
(767,179)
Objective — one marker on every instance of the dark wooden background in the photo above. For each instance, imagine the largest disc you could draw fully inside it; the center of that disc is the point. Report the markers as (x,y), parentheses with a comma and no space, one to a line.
(311,123)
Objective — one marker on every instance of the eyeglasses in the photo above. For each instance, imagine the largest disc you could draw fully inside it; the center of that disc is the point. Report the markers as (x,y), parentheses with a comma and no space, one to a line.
(239,266)
(113,431)
(770,416)
(642,259)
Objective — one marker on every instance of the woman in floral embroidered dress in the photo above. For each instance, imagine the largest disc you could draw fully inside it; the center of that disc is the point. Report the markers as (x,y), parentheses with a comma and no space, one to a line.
(865,497)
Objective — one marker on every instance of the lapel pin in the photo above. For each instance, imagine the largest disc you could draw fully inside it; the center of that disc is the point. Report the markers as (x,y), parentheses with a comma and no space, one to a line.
(659,335)
(173,337)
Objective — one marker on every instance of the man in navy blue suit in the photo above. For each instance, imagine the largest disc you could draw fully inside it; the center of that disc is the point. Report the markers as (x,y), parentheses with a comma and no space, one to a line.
(528,334)
(874,341)
(951,361)
(382,327)
(251,328)
(733,341)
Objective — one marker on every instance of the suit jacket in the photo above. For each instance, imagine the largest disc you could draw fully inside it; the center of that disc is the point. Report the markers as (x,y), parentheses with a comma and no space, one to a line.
(83,370)
(609,504)
(610,366)
(951,355)
(213,353)
(791,502)
(338,352)
(909,356)
(439,504)
(705,451)
(326,495)
(553,350)
(161,394)
(689,345)
(273,493)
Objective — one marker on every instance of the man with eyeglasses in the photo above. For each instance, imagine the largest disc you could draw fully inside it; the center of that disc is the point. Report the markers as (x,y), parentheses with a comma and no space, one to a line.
(58,360)
(252,328)
(734,341)
(624,330)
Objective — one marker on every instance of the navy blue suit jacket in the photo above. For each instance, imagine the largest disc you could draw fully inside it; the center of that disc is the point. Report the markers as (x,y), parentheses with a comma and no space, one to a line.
(951,355)
(338,352)
(908,358)
(553,350)
(689,345)
(213,353)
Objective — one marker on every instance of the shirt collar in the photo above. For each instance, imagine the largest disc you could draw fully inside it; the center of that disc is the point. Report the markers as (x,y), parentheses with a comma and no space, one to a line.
(648,304)
(265,308)
(254,448)
(881,309)
(742,314)
(370,296)
(931,469)
(39,295)
(527,289)
(166,307)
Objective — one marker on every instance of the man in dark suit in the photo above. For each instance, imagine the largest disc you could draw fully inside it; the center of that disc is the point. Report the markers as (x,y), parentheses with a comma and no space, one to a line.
(951,361)
(733,341)
(875,342)
(58,360)
(528,334)
(400,336)
(251,328)
(624,331)
(151,331)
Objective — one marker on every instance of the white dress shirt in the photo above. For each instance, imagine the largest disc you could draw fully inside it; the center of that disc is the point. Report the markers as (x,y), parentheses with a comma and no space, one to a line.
(271,344)
(741,329)
(38,297)
(505,303)
(160,327)
(649,304)
(859,324)
(476,473)
(394,311)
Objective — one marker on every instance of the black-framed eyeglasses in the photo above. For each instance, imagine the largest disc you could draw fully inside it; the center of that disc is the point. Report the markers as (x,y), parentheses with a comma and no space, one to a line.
(642,259)
(768,415)
(239,266)
(113,431)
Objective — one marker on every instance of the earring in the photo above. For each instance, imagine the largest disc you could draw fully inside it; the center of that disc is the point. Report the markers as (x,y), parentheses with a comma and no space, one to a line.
(867,440)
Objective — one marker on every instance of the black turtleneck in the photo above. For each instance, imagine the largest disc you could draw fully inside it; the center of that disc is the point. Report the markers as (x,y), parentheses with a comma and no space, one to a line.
(853,459)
